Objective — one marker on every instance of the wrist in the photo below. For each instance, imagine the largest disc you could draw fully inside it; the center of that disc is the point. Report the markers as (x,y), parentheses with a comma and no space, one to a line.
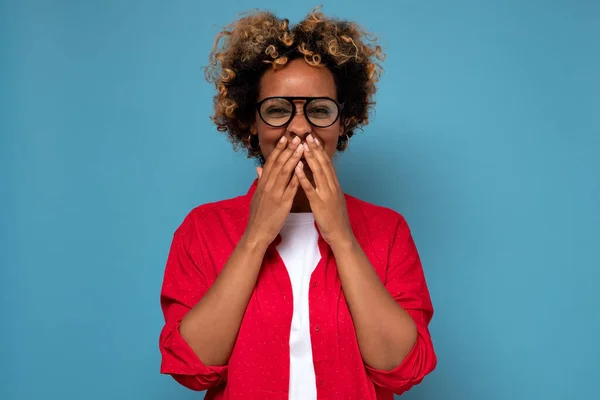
(254,243)
(343,243)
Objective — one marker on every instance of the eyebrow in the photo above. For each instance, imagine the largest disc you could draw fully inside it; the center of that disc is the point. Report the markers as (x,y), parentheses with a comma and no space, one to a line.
(298,98)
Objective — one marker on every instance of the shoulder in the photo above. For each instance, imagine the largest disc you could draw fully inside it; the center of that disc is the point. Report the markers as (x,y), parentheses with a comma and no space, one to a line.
(374,215)
(207,216)
(382,232)
(377,228)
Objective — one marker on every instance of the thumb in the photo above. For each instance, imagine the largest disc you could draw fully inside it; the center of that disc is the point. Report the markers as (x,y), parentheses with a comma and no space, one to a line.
(259,171)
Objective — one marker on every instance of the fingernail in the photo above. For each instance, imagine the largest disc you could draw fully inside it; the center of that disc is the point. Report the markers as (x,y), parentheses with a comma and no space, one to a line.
(300,164)
(310,138)
(299,149)
(282,140)
(296,140)
(317,142)
(306,147)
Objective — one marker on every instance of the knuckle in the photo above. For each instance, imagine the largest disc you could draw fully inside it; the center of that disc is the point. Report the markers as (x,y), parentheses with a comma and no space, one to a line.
(270,197)
(267,189)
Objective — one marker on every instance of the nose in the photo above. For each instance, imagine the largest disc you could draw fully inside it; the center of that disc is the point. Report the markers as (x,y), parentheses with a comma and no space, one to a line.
(299,125)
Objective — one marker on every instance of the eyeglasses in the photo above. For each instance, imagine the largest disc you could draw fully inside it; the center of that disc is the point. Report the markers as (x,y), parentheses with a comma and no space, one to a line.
(279,111)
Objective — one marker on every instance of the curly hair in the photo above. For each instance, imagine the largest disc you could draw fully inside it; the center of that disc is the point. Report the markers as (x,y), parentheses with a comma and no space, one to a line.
(244,50)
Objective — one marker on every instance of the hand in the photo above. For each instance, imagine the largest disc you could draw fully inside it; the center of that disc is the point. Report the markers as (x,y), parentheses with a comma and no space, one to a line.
(326,198)
(275,191)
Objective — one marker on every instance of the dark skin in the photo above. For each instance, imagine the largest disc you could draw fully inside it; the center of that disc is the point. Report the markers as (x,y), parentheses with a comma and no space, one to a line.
(298,79)
(299,176)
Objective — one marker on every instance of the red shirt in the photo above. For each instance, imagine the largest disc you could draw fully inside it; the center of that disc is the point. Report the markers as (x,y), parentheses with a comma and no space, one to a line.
(258,368)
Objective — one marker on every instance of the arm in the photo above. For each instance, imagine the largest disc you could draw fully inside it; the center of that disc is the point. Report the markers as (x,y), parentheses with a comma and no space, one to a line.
(194,355)
(385,331)
(202,320)
(391,319)
(222,307)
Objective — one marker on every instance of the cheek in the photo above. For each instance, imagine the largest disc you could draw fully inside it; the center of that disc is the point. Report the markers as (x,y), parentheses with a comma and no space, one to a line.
(268,138)
(331,147)
(266,147)
(330,140)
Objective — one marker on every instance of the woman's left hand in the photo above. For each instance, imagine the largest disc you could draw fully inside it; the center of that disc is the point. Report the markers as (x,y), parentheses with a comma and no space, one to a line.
(326,198)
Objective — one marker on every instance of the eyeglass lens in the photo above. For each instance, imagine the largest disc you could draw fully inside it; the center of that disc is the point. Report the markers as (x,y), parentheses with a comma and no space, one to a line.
(279,111)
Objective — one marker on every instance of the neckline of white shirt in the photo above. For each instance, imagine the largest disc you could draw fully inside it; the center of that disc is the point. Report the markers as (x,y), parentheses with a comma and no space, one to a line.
(302,218)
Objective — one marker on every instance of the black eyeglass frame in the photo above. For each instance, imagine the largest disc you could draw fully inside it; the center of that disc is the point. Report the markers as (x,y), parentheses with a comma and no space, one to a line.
(307,100)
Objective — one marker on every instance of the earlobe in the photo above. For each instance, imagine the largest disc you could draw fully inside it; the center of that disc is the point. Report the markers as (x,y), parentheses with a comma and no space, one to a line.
(342,128)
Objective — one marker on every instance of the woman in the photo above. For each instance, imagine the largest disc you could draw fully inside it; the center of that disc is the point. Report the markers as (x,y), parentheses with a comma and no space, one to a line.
(294,290)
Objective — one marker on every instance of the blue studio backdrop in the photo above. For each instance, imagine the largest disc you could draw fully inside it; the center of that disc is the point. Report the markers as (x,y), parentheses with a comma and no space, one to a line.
(486,137)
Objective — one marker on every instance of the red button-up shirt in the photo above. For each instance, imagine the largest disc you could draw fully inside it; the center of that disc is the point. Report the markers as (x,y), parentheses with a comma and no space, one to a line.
(259,366)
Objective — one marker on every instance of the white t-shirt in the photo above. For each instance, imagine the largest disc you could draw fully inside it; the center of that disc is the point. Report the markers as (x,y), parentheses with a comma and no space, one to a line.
(299,250)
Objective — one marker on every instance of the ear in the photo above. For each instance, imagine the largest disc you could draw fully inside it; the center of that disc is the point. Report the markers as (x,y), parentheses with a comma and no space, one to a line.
(342,128)
(253,130)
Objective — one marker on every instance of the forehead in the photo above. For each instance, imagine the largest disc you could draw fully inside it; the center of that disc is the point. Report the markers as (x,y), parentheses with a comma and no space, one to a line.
(298,78)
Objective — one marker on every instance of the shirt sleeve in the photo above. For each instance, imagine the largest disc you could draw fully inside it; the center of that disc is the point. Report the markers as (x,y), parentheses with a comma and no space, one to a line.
(405,281)
(183,286)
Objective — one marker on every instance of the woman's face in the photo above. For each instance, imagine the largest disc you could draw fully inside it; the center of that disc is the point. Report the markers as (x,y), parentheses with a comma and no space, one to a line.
(298,79)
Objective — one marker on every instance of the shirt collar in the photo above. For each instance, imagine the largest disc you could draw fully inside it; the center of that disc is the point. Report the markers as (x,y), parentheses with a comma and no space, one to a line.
(322,245)
(349,199)
(252,188)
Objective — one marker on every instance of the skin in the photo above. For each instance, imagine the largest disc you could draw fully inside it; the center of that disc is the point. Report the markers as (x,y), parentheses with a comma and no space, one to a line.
(298,78)
(385,331)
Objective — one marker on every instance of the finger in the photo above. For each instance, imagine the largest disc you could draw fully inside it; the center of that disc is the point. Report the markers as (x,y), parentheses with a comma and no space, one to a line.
(308,188)
(315,167)
(279,148)
(282,158)
(292,188)
(324,160)
(287,170)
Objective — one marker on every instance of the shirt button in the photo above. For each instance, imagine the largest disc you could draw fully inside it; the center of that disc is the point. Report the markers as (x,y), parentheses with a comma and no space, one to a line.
(315,284)
(320,381)
(317,328)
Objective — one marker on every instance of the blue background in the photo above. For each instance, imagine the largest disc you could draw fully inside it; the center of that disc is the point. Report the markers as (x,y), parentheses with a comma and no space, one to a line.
(486,137)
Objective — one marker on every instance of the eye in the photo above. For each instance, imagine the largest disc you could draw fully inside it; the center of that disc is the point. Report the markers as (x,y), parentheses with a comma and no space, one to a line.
(320,112)
(275,111)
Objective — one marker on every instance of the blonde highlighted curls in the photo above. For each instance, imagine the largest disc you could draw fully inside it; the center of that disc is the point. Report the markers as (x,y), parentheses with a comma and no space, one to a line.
(259,40)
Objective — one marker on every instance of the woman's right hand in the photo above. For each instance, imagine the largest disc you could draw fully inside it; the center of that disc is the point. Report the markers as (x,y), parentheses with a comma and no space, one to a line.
(275,192)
